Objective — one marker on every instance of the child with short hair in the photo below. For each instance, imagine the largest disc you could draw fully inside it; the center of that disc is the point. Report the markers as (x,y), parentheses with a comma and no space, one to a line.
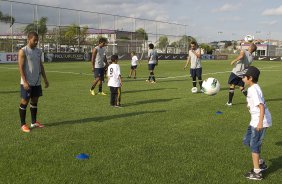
(134,60)
(260,121)
(114,81)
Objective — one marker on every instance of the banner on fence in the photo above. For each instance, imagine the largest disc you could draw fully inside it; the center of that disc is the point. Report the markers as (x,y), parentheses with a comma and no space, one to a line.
(64,57)
(9,57)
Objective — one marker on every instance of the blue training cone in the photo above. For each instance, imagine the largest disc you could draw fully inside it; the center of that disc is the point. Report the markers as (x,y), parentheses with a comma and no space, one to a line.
(219,112)
(82,156)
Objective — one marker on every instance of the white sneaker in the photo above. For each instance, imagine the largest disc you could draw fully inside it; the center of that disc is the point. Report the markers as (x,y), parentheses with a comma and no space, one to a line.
(229,104)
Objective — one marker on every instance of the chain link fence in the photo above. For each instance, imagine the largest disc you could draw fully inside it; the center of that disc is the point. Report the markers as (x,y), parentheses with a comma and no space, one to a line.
(70,30)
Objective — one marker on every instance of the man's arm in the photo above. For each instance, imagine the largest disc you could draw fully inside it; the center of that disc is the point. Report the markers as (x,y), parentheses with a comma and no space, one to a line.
(44,75)
(241,56)
(187,62)
(197,54)
(94,54)
(21,57)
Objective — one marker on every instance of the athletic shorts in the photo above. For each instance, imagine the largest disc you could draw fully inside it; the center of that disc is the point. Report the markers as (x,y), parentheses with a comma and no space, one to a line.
(253,139)
(234,79)
(34,91)
(151,66)
(197,72)
(99,72)
(133,67)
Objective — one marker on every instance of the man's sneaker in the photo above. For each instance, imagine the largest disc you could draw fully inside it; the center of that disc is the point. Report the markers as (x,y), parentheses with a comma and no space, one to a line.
(92,92)
(229,104)
(253,176)
(147,80)
(153,82)
(36,125)
(102,93)
(25,128)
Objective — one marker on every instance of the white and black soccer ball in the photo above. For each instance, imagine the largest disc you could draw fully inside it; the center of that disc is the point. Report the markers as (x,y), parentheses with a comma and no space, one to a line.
(211,86)
(194,90)
(249,38)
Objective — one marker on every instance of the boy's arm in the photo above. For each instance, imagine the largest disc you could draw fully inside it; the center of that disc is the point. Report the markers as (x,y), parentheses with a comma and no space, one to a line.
(241,55)
(120,79)
(261,117)
(94,54)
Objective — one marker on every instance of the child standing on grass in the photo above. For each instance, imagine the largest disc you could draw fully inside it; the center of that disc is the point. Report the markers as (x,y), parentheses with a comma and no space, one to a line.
(114,82)
(260,121)
(134,60)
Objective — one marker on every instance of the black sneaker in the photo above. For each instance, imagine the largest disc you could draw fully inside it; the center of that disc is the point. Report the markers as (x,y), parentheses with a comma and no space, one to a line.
(263,166)
(253,176)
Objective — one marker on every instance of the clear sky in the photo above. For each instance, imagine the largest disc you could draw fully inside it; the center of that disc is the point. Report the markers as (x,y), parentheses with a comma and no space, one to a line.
(207,20)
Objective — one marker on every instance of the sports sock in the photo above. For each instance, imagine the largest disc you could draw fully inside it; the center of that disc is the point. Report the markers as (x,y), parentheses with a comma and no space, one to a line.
(154,79)
(33,112)
(149,78)
(92,87)
(244,92)
(22,111)
(231,94)
(200,83)
(257,171)
(100,89)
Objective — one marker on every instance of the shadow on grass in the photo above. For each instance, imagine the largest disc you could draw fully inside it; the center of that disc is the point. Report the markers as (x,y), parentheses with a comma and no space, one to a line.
(273,100)
(279,143)
(276,164)
(9,92)
(102,118)
(267,100)
(150,101)
(136,91)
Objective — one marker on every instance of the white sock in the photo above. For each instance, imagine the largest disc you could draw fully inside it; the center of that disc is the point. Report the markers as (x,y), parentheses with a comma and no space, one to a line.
(257,170)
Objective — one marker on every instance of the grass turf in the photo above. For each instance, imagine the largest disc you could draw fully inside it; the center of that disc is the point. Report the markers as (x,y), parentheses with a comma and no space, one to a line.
(164,133)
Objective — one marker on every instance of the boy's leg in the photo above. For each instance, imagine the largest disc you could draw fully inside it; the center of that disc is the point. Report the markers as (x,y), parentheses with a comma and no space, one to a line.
(118,96)
(134,73)
(112,98)
(153,76)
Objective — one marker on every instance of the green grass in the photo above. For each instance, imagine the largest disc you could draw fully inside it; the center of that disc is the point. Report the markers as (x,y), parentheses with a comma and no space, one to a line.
(164,133)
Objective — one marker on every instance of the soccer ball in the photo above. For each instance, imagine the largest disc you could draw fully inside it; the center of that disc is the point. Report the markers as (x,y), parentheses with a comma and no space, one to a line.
(211,86)
(194,90)
(249,38)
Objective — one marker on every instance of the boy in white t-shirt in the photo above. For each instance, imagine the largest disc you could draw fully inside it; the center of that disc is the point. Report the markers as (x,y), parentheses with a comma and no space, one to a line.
(260,121)
(134,60)
(114,81)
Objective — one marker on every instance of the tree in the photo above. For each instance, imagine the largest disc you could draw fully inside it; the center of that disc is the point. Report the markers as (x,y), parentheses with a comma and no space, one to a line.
(163,43)
(40,27)
(7,19)
(141,34)
(76,35)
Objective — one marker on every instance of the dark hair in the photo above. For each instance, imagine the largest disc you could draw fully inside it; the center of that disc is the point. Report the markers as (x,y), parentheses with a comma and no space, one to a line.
(151,46)
(114,57)
(254,79)
(103,40)
(32,34)
(194,43)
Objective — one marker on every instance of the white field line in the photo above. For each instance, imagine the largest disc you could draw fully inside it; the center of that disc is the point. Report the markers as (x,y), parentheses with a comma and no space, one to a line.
(163,78)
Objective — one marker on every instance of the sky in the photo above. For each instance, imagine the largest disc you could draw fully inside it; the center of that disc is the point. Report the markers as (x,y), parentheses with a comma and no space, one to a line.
(206,20)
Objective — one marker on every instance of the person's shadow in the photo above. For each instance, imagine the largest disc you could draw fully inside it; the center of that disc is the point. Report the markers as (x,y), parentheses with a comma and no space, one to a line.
(276,163)
(100,119)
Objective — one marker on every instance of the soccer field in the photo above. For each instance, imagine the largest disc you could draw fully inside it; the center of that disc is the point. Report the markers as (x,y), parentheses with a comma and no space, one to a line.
(163,133)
